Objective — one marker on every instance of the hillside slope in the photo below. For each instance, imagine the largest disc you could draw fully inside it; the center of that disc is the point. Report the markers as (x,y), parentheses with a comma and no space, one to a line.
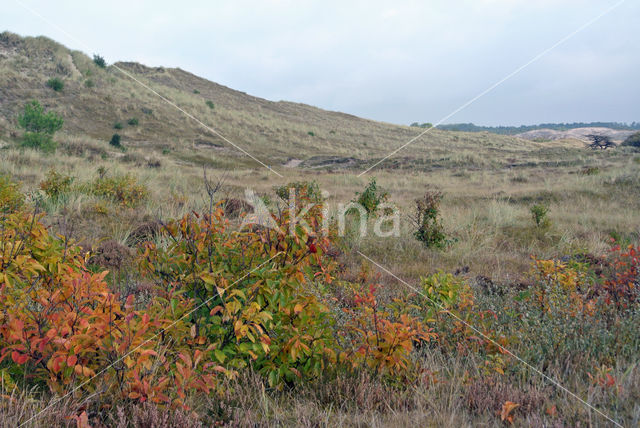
(94,99)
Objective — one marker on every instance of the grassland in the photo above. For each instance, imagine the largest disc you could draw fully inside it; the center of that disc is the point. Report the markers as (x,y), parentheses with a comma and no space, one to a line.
(489,183)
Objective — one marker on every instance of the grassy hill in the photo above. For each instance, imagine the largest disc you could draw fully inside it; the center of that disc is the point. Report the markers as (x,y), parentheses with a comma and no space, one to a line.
(94,99)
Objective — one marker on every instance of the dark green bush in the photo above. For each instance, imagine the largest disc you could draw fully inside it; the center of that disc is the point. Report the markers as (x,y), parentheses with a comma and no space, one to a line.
(133,121)
(117,125)
(99,61)
(89,83)
(56,84)
(115,141)
(311,133)
(210,104)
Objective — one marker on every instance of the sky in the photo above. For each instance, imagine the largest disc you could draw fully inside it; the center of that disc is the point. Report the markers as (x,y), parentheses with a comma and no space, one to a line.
(394,61)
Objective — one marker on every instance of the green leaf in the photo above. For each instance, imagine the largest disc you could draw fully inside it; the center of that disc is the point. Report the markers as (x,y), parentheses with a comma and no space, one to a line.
(220,356)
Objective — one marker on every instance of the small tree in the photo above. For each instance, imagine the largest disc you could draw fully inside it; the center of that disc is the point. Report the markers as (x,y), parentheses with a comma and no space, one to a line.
(429,228)
(39,127)
(539,213)
(601,142)
(99,61)
(372,197)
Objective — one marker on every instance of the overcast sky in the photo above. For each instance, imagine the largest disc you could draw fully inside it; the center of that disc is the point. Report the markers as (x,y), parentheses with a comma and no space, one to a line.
(395,61)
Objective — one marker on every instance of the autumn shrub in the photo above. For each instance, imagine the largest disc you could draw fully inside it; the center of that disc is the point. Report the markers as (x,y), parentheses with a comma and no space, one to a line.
(254,290)
(123,189)
(61,325)
(382,337)
(573,317)
(56,184)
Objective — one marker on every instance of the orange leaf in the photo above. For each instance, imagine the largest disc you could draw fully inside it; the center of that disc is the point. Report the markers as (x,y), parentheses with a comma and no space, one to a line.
(19,358)
(507,408)
(71,360)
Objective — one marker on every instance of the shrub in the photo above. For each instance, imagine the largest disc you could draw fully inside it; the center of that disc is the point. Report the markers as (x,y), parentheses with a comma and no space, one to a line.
(89,83)
(590,170)
(63,326)
(539,213)
(117,125)
(271,318)
(115,141)
(302,190)
(429,228)
(195,91)
(99,61)
(56,84)
(122,189)
(56,184)
(372,197)
(210,104)
(39,127)
(133,121)
(633,140)
(311,133)
(382,338)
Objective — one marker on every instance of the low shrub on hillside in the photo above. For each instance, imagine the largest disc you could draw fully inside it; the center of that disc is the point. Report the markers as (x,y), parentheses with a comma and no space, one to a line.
(133,121)
(115,141)
(56,84)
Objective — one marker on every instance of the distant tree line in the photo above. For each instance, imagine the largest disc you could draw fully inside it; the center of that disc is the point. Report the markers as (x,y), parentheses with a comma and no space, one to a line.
(511,130)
